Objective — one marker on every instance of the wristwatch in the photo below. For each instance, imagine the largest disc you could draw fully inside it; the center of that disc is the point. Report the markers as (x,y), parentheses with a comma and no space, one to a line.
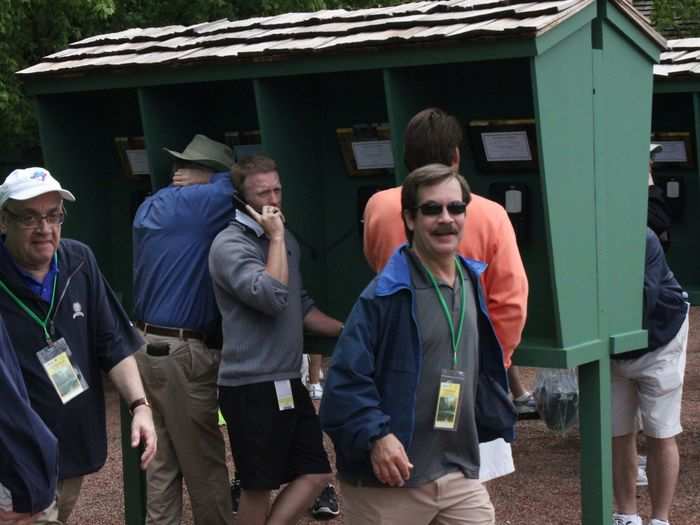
(137,403)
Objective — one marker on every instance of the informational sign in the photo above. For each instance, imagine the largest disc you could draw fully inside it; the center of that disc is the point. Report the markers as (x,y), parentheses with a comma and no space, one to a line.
(138,161)
(506,146)
(672,151)
(373,154)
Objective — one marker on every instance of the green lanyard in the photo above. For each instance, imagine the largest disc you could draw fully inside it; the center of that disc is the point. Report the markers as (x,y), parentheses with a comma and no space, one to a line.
(31,314)
(448,315)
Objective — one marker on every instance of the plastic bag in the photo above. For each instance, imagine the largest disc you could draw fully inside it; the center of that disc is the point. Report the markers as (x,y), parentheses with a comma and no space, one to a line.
(556,393)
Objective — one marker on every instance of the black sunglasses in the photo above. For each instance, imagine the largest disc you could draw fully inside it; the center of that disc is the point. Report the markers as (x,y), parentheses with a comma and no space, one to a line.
(431,209)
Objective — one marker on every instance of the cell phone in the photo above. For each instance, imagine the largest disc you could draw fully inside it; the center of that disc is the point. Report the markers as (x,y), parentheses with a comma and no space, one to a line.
(239,202)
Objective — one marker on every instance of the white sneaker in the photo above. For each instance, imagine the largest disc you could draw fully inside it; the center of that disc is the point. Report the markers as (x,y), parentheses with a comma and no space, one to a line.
(316,392)
(655,521)
(626,519)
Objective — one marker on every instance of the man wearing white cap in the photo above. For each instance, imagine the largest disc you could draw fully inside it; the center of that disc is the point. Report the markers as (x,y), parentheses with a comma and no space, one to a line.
(67,327)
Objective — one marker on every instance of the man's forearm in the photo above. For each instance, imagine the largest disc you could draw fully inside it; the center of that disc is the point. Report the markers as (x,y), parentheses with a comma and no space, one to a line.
(125,376)
(276,265)
(319,323)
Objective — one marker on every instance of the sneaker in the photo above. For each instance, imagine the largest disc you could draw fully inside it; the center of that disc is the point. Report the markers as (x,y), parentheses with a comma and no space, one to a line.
(655,521)
(326,506)
(626,519)
(235,494)
(526,406)
(315,391)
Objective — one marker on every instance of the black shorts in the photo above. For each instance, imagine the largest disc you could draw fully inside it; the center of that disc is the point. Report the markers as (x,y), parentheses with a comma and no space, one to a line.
(272,447)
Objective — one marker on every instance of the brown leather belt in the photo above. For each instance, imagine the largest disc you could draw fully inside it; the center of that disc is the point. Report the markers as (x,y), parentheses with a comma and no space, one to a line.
(179,333)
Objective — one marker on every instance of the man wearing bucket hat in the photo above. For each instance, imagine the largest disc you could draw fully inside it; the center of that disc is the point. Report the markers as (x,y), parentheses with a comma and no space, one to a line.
(175,307)
(67,328)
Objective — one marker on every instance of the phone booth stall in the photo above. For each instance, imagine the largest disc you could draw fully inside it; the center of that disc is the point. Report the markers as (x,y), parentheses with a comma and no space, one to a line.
(554,97)
(675,124)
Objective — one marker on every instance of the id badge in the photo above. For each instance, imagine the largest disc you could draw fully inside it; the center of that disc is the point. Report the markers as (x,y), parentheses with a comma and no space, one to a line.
(64,375)
(449,400)
(285,400)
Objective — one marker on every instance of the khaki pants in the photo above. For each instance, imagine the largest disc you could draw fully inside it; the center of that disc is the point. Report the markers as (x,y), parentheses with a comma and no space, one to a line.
(182,390)
(449,500)
(67,493)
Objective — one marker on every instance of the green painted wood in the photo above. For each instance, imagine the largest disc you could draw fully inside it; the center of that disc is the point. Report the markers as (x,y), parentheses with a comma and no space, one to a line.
(562,31)
(623,81)
(134,478)
(287,114)
(596,438)
(637,37)
(85,161)
(173,115)
(662,85)
(402,103)
(620,343)
(679,112)
(693,295)
(564,115)
(304,65)
(541,355)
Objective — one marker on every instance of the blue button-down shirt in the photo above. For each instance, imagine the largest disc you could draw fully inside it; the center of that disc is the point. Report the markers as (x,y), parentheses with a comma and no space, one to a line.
(173,231)
(44,288)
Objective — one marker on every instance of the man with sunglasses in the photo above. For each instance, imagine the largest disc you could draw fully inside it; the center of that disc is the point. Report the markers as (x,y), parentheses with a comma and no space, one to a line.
(175,307)
(432,135)
(417,378)
(67,328)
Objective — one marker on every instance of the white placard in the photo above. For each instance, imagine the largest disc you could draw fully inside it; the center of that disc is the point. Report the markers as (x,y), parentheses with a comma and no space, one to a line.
(241,151)
(373,154)
(138,161)
(506,146)
(672,151)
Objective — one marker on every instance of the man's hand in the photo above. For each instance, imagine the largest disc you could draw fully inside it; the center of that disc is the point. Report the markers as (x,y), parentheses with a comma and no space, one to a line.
(390,462)
(7,517)
(271,219)
(143,431)
(190,176)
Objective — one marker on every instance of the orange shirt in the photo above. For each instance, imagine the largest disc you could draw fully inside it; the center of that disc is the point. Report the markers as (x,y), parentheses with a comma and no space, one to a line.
(488,237)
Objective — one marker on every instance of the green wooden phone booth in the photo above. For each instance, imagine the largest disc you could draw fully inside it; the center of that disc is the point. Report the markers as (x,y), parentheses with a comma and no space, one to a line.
(574,77)
(675,124)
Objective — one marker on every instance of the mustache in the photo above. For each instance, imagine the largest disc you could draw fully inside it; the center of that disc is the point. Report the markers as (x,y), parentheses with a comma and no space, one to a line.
(445,229)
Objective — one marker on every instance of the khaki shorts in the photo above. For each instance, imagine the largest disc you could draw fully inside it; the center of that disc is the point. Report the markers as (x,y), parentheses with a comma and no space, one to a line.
(650,389)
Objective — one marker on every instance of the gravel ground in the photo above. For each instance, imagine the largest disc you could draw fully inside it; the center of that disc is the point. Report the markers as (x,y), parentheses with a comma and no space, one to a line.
(543,491)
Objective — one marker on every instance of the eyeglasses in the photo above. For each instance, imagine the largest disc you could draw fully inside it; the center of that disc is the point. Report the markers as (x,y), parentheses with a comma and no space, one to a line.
(431,209)
(33,220)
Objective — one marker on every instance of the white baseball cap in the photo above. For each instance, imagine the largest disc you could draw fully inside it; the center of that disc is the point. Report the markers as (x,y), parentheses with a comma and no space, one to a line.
(28,183)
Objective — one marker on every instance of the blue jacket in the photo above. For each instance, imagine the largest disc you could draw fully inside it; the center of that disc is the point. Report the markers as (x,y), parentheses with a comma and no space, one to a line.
(172,233)
(98,332)
(665,302)
(371,386)
(28,450)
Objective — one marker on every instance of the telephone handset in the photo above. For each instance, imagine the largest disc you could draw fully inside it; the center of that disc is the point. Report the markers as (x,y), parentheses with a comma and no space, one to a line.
(514,198)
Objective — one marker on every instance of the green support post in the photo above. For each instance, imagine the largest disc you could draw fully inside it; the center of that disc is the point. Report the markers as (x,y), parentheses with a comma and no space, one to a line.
(596,439)
(134,478)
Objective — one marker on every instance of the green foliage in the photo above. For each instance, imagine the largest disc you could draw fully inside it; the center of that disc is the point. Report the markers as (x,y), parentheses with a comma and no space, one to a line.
(677,18)
(32,29)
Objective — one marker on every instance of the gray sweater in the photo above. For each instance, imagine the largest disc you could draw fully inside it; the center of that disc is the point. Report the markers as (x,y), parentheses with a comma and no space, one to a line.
(262,318)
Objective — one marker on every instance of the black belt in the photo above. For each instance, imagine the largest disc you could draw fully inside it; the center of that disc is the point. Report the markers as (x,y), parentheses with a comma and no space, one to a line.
(179,333)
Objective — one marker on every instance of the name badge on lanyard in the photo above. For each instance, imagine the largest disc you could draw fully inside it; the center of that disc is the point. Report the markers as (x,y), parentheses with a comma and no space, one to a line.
(451,380)
(64,375)
(449,400)
(285,399)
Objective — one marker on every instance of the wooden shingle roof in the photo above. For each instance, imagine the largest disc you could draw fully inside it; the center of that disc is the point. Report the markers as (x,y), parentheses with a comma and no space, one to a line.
(327,31)
(681,60)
